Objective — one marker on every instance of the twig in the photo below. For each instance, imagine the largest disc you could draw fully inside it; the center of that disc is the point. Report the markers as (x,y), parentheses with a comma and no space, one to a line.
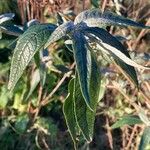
(109,133)
(47,99)
(140,92)
(131,137)
(104,5)
(116,86)
(119,68)
(140,35)
(83,5)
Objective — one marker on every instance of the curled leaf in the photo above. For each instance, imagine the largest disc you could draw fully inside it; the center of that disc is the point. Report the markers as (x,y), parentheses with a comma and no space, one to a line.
(6,17)
(11,30)
(111,45)
(95,18)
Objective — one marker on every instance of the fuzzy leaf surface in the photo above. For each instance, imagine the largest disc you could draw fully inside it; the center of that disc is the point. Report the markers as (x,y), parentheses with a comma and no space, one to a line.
(11,29)
(5,17)
(69,112)
(28,44)
(60,31)
(82,57)
(120,54)
(95,18)
(85,117)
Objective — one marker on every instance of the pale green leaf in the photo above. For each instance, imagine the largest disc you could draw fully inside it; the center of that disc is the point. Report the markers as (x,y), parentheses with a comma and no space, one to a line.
(145,140)
(69,113)
(102,88)
(60,32)
(4,97)
(127,120)
(120,54)
(28,44)
(95,18)
(144,117)
(5,17)
(34,82)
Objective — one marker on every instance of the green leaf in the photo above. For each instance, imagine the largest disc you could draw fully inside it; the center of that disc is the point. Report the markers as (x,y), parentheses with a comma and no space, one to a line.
(111,45)
(4,97)
(34,82)
(144,117)
(102,88)
(5,17)
(0,33)
(28,44)
(47,125)
(82,57)
(60,31)
(145,140)
(21,123)
(85,117)
(95,3)
(126,120)
(11,29)
(95,18)
(69,113)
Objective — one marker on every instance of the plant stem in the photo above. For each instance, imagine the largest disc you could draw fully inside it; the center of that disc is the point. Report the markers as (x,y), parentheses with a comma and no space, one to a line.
(47,99)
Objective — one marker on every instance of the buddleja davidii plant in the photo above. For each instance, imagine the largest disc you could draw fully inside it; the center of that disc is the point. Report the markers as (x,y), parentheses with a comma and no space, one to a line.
(88,27)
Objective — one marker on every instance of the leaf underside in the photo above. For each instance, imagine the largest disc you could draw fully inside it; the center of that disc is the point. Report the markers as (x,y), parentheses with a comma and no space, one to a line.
(107,38)
(95,18)
(60,32)
(28,44)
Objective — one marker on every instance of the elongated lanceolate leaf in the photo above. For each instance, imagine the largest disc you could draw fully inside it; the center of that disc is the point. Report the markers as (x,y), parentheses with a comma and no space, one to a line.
(11,29)
(28,44)
(34,82)
(120,54)
(60,31)
(69,112)
(6,17)
(82,57)
(84,116)
(127,120)
(114,47)
(95,18)
(145,140)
